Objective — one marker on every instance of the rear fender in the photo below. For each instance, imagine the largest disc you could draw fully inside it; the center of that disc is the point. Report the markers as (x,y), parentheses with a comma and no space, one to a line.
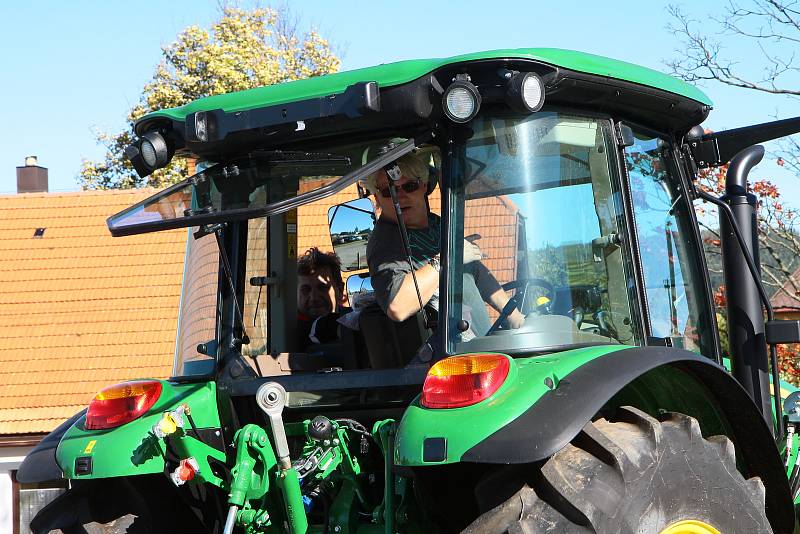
(151,502)
(428,436)
(133,449)
(656,380)
(40,464)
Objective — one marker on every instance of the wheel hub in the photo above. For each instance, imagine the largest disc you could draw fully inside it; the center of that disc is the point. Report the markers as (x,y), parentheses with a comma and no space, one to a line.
(690,526)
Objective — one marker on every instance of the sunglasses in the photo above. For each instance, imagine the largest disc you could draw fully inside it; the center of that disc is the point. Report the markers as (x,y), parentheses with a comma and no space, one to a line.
(408,187)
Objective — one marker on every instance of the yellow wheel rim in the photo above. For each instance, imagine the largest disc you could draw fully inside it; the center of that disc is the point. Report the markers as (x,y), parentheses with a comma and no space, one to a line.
(690,526)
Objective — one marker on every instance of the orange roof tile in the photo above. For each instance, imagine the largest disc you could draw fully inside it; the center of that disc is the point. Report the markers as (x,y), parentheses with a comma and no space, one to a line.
(81,309)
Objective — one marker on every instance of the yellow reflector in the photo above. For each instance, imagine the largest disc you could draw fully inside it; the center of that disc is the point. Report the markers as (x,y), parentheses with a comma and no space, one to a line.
(541,301)
(167,425)
(466,365)
(690,526)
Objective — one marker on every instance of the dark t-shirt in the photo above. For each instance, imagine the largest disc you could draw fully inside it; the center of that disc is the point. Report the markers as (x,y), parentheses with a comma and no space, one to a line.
(388,266)
(387,260)
(310,331)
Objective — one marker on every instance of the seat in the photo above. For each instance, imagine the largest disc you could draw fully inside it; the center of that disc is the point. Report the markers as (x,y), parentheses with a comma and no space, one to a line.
(391,344)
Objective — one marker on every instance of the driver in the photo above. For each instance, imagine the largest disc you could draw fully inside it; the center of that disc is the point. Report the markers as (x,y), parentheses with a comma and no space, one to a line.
(389,268)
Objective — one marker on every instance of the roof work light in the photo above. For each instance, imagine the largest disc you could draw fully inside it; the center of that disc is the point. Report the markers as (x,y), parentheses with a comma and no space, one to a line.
(525,92)
(461,100)
(149,153)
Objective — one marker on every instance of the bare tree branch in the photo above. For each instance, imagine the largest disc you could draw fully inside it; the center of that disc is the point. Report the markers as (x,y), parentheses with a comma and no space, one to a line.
(701,57)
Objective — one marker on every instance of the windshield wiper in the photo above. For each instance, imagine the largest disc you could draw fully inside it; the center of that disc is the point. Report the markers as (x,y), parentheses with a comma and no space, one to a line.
(346,180)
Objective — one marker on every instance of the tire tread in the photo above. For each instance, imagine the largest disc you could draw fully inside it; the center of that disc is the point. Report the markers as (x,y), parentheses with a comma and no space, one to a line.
(597,482)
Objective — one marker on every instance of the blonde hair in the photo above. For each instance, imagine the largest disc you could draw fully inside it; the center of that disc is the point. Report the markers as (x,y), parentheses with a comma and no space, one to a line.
(416,164)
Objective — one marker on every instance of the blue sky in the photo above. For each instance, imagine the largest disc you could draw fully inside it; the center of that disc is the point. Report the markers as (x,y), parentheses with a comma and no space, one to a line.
(71,69)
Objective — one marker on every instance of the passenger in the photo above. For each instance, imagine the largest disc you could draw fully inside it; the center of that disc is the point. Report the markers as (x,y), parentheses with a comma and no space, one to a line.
(320,298)
(388,264)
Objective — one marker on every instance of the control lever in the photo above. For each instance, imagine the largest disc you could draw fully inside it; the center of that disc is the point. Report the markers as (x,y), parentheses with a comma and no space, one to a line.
(472,237)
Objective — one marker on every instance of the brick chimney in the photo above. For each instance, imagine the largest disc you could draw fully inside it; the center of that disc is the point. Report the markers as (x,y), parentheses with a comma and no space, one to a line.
(31,178)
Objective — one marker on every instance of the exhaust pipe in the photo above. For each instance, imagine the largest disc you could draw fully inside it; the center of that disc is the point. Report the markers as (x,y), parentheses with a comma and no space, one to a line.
(746,333)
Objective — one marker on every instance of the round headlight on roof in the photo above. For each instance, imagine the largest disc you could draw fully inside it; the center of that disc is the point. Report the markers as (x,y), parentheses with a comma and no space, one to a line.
(154,150)
(148,153)
(461,101)
(525,92)
(201,126)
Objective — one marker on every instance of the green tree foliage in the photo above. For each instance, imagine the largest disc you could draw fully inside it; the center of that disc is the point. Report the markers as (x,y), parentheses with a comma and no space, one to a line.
(242,50)
(547,262)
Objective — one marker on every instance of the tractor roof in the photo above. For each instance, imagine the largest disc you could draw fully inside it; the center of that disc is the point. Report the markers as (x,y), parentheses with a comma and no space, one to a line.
(391,74)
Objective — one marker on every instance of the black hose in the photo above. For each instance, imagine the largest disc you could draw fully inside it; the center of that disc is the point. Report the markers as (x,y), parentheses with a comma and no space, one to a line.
(352,423)
(794,479)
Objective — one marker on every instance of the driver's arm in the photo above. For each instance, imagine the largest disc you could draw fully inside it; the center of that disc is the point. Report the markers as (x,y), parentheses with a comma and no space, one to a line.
(493,294)
(406,301)
(498,301)
(393,282)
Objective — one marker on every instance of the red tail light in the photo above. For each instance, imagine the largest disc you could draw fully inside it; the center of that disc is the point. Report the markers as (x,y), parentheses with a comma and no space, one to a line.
(122,403)
(464,380)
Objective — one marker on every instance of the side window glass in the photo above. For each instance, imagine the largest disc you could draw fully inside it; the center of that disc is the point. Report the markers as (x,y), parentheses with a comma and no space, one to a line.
(255,307)
(198,319)
(661,218)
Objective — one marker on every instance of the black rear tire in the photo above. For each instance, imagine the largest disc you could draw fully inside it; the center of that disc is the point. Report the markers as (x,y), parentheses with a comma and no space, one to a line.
(634,475)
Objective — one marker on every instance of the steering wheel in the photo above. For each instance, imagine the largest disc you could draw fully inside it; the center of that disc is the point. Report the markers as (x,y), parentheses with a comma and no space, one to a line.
(519,298)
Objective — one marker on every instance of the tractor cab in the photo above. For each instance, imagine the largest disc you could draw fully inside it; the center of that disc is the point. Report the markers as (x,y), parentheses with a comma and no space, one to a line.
(569,271)
(554,364)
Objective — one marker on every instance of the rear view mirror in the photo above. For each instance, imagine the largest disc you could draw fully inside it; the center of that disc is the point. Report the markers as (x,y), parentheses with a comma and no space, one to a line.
(359,287)
(351,227)
(780,332)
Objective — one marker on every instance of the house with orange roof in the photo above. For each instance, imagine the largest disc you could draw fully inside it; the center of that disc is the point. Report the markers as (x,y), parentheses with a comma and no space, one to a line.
(81,310)
(84,310)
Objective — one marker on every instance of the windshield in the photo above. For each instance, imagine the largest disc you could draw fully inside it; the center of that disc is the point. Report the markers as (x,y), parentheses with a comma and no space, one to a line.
(537,198)
(246,188)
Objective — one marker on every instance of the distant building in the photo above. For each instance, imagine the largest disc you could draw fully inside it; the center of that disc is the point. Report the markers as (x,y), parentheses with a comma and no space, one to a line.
(786,300)
(80,311)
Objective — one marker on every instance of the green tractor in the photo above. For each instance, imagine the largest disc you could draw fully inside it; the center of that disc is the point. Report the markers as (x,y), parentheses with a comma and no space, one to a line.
(608,407)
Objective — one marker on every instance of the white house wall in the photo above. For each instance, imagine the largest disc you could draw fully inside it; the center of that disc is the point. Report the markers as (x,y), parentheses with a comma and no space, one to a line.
(10,460)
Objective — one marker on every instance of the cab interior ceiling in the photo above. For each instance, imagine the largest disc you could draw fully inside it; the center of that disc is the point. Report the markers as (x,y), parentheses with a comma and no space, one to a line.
(415,107)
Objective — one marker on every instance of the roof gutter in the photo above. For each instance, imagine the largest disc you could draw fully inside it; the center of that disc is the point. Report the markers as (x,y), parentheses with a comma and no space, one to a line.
(21,440)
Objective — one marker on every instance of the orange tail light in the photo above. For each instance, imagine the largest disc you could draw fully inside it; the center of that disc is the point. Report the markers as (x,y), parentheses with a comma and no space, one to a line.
(121,403)
(464,380)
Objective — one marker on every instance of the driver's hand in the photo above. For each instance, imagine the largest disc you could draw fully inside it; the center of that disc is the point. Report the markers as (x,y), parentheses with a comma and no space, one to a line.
(471,252)
(516,319)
